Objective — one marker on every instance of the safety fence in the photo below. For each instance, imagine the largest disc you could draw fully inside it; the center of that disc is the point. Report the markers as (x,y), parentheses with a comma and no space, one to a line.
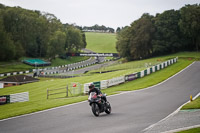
(12,98)
(56,76)
(74,89)
(122,79)
(70,68)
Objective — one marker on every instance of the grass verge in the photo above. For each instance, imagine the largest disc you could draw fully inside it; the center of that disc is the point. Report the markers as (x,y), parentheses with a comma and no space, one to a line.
(37,91)
(192,105)
(194,130)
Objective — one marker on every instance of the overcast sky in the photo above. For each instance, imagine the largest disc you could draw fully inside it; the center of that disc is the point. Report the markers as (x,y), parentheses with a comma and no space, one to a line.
(111,13)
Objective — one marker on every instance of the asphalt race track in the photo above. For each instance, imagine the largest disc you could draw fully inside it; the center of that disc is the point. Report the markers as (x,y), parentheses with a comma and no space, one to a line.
(132,112)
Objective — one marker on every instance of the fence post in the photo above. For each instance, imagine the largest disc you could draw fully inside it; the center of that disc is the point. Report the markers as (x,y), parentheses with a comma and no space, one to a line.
(47,93)
(67,91)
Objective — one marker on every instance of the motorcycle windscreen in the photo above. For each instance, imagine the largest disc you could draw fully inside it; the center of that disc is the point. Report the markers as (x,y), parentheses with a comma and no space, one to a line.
(91,95)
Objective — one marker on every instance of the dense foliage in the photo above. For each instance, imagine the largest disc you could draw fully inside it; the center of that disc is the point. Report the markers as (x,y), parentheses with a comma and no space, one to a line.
(35,34)
(168,32)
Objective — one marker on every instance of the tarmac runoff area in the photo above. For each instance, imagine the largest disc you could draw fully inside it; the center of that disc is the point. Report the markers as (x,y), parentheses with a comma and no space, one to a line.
(179,120)
(183,120)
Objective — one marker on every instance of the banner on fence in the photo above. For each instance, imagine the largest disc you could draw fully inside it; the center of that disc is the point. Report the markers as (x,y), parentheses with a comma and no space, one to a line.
(104,84)
(94,54)
(1,85)
(4,99)
(97,85)
(86,88)
(75,88)
(130,77)
(116,81)
(19,97)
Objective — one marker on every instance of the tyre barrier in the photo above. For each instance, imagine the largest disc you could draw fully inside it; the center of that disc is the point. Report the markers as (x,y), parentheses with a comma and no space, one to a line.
(48,68)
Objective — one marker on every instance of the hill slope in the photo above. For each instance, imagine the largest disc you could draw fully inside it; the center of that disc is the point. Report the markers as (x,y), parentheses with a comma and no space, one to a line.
(101,42)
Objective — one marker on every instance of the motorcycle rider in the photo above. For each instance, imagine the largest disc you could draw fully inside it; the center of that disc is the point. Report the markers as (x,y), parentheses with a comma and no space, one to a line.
(97,91)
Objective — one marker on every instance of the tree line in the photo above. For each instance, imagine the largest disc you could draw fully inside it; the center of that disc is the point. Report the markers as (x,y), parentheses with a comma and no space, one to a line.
(169,32)
(97,28)
(36,34)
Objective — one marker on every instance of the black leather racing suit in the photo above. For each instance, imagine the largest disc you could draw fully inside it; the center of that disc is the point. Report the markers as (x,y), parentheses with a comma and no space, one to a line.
(98,92)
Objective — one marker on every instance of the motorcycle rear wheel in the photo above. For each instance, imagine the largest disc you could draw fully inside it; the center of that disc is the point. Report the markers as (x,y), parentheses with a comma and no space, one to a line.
(95,109)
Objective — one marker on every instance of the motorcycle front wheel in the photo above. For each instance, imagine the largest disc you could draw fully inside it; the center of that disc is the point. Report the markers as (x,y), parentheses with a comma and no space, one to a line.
(108,108)
(95,109)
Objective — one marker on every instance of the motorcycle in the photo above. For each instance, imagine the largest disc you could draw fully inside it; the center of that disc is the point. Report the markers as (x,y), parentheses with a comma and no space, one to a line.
(98,105)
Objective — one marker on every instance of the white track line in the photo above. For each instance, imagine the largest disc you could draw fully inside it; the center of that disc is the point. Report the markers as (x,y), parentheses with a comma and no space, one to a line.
(182,129)
(170,115)
(176,111)
(86,101)
(42,111)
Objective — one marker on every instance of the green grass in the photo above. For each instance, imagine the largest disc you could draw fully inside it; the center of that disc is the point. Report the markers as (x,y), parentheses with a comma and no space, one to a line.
(151,79)
(192,105)
(133,66)
(15,66)
(37,90)
(194,130)
(101,42)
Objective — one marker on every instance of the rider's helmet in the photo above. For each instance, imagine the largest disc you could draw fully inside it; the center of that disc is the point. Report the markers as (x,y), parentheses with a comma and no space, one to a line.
(91,86)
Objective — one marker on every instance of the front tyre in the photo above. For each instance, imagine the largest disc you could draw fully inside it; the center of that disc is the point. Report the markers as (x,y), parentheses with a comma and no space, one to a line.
(95,109)
(108,108)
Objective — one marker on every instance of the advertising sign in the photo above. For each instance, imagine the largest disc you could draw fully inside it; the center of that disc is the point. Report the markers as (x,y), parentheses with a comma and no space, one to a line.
(86,89)
(4,99)
(1,85)
(104,84)
(94,54)
(116,81)
(131,77)
(97,85)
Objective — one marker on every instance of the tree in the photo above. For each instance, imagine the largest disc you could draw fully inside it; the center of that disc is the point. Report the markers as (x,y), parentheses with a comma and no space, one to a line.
(7,48)
(190,24)
(84,40)
(167,38)
(118,29)
(134,42)
(74,40)
(122,44)
(57,44)
(142,31)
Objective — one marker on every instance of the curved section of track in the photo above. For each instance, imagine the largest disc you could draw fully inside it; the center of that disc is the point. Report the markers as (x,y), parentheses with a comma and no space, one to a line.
(132,111)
